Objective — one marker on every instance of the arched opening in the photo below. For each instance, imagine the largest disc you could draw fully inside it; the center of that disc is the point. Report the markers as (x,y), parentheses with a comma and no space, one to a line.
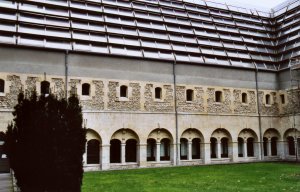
(165,149)
(240,147)
(85,89)
(115,151)
(45,87)
(2,85)
(213,147)
(224,147)
(274,146)
(183,149)
(244,98)
(158,94)
(291,145)
(268,99)
(93,149)
(151,149)
(196,148)
(123,91)
(131,150)
(218,96)
(250,147)
(265,144)
(189,95)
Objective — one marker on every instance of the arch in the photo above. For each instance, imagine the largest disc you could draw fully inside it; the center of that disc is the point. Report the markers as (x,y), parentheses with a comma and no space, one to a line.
(85,89)
(125,134)
(163,139)
(192,133)
(271,132)
(123,91)
(93,150)
(115,151)
(248,133)
(92,134)
(160,133)
(291,132)
(221,133)
(131,150)
(183,149)
(45,87)
(158,93)
(2,86)
(222,146)
(195,136)
(151,149)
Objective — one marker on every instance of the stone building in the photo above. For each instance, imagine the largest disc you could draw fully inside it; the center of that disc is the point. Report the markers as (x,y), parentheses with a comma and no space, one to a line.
(161,82)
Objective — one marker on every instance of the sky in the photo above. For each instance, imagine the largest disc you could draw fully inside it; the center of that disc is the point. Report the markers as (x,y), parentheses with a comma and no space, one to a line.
(265,4)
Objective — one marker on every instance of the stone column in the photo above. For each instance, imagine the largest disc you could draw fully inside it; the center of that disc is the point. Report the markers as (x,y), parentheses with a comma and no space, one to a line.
(269,147)
(189,150)
(143,155)
(245,149)
(280,149)
(105,157)
(157,157)
(219,149)
(123,148)
(235,151)
(206,153)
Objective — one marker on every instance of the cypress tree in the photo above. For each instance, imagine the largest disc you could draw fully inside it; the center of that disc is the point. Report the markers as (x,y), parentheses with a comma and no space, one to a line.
(45,143)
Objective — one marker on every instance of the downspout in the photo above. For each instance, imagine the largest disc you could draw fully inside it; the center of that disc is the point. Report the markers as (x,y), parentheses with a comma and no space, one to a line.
(176,113)
(66,73)
(259,113)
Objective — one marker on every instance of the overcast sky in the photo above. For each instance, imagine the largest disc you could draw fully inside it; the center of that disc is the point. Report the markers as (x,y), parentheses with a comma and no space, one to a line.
(266,4)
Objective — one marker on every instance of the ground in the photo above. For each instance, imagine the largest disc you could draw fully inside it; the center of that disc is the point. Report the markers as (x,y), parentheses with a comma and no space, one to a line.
(258,177)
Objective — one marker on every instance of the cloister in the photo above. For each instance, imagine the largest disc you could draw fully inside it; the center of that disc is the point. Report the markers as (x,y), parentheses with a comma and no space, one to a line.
(127,149)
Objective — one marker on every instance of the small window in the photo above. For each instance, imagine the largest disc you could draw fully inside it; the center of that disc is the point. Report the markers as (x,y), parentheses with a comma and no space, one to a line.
(2,84)
(218,96)
(45,87)
(123,91)
(189,95)
(86,89)
(282,98)
(244,98)
(157,93)
(268,99)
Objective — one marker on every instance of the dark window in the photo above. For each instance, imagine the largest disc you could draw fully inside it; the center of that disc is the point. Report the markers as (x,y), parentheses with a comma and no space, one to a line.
(151,149)
(244,98)
(45,87)
(268,99)
(86,89)
(282,98)
(93,150)
(2,83)
(157,93)
(218,96)
(130,150)
(123,91)
(115,151)
(291,145)
(189,95)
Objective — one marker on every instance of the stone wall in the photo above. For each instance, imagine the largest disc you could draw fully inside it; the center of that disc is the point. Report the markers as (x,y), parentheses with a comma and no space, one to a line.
(105,95)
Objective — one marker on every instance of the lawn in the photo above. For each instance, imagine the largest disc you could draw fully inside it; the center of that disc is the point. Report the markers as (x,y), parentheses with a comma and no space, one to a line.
(256,177)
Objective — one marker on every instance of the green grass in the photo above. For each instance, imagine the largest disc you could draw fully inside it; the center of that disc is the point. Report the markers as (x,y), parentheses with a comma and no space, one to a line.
(256,177)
